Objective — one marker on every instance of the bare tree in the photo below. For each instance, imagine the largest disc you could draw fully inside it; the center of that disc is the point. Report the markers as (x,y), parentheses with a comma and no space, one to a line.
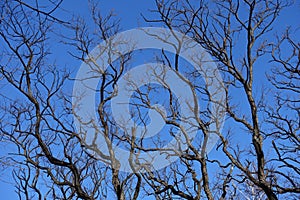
(52,160)
(235,33)
(283,115)
(257,154)
(48,158)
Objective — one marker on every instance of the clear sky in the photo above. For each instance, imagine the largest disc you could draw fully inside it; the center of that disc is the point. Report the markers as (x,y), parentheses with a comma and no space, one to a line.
(129,12)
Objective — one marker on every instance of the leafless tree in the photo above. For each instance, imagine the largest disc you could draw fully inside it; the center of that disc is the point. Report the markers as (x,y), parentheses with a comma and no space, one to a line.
(236,35)
(257,154)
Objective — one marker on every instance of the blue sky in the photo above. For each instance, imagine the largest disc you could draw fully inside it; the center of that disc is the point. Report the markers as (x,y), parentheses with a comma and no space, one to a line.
(129,12)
